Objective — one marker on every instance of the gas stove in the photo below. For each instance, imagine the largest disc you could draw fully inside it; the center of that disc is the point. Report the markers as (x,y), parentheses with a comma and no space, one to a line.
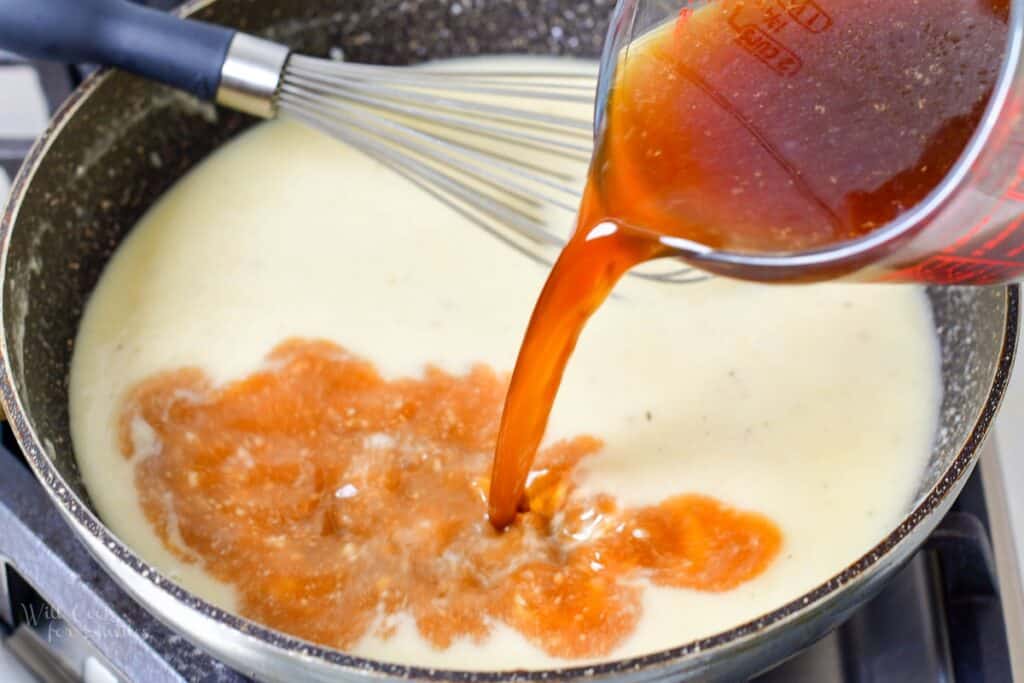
(954,613)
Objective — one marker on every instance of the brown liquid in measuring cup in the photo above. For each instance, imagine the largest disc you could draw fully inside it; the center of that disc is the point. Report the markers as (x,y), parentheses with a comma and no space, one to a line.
(757,126)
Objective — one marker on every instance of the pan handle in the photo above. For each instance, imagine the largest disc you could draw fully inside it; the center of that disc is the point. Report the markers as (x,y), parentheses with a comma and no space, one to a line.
(182,53)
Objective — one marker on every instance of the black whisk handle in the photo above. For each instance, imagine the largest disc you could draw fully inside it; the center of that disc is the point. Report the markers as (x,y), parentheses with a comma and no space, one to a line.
(182,53)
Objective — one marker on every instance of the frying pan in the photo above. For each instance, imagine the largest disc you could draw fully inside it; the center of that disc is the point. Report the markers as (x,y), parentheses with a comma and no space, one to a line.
(119,142)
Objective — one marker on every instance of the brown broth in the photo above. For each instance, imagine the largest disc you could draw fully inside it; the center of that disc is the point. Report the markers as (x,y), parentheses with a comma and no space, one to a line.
(334,500)
(759,126)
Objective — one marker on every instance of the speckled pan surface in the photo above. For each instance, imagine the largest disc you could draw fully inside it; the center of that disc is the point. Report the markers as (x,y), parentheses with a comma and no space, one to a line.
(120,142)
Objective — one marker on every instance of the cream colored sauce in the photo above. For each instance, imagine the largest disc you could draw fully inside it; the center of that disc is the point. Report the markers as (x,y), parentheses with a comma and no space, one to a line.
(814,405)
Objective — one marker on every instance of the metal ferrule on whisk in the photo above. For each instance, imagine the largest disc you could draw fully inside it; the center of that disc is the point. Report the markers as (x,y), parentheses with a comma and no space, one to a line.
(251,75)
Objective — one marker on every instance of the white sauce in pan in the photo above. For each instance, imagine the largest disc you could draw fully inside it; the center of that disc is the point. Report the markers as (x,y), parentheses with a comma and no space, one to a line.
(813,405)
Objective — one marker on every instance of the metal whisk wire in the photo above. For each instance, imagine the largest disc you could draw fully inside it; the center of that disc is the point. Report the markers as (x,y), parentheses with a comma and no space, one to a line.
(459,136)
(459,133)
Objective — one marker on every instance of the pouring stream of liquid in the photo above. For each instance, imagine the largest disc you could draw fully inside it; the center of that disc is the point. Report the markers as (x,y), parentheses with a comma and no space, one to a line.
(760,127)
(582,278)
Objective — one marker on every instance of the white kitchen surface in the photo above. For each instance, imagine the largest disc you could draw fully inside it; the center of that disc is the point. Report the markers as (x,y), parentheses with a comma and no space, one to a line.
(22,110)
(1009,439)
(22,105)
(11,670)
(1003,473)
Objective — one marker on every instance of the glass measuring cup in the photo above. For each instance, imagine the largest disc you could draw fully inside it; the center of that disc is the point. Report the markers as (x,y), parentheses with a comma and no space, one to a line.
(968,229)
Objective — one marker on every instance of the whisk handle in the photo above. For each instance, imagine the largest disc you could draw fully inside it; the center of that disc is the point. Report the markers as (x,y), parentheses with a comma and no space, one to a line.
(182,53)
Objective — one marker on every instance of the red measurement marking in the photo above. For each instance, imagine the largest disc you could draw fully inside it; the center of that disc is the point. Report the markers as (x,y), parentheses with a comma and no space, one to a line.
(759,13)
(982,261)
(1016,251)
(774,20)
(998,239)
(808,14)
(771,52)
(966,237)
(733,19)
(1015,191)
(951,270)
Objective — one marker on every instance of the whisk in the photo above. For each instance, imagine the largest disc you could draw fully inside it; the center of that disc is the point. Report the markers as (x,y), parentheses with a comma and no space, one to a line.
(459,133)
